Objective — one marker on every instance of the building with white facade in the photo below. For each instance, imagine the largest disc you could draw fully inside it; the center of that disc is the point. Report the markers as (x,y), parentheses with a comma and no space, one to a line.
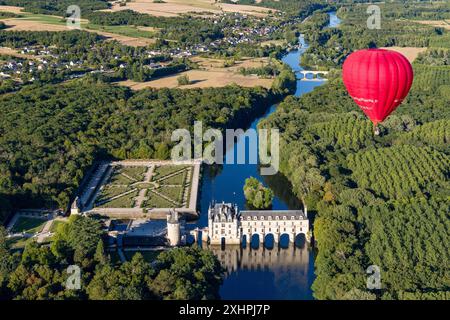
(226,224)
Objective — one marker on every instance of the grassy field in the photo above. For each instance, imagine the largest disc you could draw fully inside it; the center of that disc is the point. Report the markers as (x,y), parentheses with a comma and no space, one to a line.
(435,23)
(28,225)
(174,193)
(155,201)
(163,171)
(129,31)
(125,201)
(211,73)
(132,178)
(171,8)
(118,178)
(127,35)
(110,191)
(176,179)
(411,53)
(134,172)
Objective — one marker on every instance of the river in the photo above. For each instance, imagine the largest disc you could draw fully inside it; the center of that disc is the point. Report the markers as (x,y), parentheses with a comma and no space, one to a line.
(262,272)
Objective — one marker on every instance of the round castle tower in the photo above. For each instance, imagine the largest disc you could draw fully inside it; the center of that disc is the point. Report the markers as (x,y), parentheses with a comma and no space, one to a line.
(173,229)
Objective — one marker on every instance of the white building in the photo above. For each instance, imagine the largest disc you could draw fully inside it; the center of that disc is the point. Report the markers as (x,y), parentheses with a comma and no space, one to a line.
(227,225)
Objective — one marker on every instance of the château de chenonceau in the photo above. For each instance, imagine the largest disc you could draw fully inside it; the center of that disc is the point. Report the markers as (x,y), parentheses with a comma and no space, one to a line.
(228,225)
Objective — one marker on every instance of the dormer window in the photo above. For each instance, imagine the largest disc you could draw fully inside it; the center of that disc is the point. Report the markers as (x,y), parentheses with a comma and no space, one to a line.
(262,217)
(284,217)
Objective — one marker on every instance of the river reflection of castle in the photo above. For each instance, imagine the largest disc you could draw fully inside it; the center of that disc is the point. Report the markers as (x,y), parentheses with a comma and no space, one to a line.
(277,259)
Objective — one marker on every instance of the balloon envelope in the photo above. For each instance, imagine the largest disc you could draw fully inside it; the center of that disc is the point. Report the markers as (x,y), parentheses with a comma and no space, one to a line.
(377,80)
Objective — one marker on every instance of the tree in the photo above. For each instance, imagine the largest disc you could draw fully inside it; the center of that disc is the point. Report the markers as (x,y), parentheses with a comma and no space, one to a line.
(78,240)
(162,151)
(256,194)
(187,273)
(183,80)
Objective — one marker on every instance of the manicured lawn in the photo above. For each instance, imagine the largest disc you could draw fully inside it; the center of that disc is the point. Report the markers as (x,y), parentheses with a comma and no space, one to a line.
(118,178)
(156,201)
(163,171)
(176,179)
(174,193)
(135,172)
(110,191)
(126,201)
(28,225)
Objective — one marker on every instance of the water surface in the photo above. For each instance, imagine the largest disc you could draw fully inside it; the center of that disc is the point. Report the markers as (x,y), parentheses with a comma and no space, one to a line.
(257,272)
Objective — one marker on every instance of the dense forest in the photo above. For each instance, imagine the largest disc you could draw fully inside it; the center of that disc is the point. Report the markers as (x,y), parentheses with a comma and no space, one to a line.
(49,135)
(376,200)
(329,46)
(41,272)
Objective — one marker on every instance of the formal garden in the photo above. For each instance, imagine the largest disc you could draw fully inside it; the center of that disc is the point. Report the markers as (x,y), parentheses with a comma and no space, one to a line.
(146,186)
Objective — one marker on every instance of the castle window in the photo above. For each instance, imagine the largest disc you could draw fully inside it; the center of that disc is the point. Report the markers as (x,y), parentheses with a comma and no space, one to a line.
(284,217)
(255,218)
(269,218)
(262,217)
(248,218)
(223,225)
(277,218)
(292,217)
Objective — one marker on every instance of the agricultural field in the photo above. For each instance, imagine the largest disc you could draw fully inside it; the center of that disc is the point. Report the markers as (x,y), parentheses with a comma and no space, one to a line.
(127,35)
(152,186)
(173,8)
(436,23)
(211,73)
(411,53)
(12,9)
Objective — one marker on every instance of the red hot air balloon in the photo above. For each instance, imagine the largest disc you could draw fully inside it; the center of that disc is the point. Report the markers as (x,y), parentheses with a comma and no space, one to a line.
(377,80)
